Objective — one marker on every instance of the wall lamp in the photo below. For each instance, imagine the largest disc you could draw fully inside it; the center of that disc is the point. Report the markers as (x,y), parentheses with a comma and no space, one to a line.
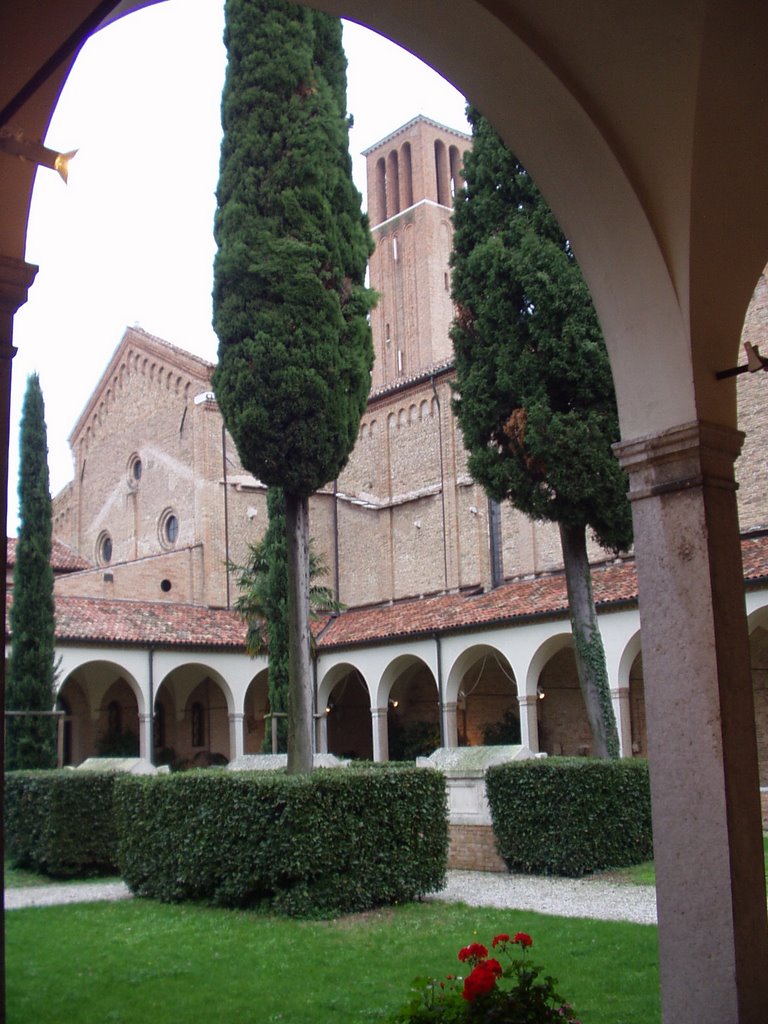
(13,143)
(754,363)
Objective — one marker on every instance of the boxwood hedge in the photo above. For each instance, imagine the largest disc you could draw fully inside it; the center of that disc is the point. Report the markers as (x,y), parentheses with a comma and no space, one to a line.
(61,823)
(571,816)
(316,845)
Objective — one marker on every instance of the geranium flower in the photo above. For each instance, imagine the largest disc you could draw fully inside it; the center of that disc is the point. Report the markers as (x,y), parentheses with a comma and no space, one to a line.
(481,979)
(499,938)
(474,951)
(523,939)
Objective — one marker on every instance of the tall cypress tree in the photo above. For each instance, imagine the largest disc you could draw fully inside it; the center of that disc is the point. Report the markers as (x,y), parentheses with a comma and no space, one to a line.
(535,397)
(31,740)
(290,304)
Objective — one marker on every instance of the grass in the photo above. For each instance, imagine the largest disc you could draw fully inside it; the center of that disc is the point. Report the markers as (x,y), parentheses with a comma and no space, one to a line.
(140,961)
(17,878)
(645,873)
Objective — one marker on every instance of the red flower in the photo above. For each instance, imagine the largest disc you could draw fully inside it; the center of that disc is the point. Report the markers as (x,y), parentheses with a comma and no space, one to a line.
(475,951)
(522,939)
(499,938)
(495,967)
(481,979)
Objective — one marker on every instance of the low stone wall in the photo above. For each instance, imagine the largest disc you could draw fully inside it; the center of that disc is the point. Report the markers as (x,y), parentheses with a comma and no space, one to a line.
(473,848)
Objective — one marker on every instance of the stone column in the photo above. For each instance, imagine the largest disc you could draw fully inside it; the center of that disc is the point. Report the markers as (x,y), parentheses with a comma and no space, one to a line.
(529,723)
(621,709)
(236,736)
(321,732)
(713,929)
(145,736)
(380,734)
(450,723)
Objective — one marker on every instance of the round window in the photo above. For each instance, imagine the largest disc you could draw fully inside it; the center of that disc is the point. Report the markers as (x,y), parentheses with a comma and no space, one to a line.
(104,549)
(134,470)
(171,529)
(168,528)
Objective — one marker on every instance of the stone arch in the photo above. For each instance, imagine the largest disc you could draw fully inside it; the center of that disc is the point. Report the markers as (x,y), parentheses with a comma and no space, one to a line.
(184,690)
(408,689)
(255,708)
(88,690)
(482,684)
(344,697)
(561,715)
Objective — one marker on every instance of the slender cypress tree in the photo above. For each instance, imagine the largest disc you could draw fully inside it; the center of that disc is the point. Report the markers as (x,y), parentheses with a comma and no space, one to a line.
(31,740)
(290,304)
(534,392)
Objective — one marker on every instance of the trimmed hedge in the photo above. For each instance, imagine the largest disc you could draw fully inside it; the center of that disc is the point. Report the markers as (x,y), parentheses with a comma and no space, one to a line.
(335,841)
(61,823)
(571,816)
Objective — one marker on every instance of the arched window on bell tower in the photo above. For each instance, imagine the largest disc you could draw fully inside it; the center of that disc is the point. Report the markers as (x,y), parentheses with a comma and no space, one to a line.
(381,190)
(393,183)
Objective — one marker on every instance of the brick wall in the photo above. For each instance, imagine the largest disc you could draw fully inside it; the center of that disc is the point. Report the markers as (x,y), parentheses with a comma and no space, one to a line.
(473,848)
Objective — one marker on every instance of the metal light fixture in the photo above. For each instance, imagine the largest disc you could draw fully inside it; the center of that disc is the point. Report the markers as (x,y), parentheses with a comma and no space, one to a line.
(13,143)
(754,363)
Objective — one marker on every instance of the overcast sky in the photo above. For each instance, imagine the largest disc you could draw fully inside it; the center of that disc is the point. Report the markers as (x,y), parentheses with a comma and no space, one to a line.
(129,240)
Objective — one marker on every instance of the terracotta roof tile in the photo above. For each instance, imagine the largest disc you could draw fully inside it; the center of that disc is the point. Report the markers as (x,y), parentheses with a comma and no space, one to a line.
(63,557)
(94,620)
(517,600)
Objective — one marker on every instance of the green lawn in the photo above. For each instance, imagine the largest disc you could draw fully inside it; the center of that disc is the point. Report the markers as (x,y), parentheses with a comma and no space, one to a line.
(645,874)
(142,962)
(16,878)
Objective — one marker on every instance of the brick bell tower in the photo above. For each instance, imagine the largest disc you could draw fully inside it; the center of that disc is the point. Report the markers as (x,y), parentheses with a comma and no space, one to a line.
(412,175)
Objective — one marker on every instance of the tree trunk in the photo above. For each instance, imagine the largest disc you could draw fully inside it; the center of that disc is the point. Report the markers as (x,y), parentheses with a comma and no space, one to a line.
(588,644)
(300,703)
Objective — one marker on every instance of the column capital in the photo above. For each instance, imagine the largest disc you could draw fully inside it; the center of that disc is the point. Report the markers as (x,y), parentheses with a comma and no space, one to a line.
(527,700)
(16,276)
(680,458)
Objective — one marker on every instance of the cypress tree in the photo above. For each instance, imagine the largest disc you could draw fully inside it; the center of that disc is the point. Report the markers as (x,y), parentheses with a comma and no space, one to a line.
(290,304)
(534,392)
(31,740)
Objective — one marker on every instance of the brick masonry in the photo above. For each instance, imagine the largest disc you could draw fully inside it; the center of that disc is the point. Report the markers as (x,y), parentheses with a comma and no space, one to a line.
(473,848)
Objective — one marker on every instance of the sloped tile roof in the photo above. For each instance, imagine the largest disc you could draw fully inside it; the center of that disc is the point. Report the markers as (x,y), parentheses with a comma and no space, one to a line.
(94,620)
(754,555)
(98,621)
(63,557)
(518,600)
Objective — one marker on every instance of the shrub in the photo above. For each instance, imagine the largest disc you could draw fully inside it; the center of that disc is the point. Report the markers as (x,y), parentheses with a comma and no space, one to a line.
(312,845)
(61,823)
(571,816)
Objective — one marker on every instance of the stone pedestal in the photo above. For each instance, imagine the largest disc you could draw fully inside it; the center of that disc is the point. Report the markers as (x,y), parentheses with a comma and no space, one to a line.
(472,840)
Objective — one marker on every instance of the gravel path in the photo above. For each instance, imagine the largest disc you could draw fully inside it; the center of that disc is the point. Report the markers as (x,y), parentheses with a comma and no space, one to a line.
(565,897)
(76,892)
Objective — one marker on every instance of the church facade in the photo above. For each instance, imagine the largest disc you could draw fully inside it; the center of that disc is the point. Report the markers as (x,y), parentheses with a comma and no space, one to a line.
(160,506)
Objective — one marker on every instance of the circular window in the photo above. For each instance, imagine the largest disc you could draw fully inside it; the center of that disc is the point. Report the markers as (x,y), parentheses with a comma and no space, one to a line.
(134,470)
(104,549)
(165,586)
(169,528)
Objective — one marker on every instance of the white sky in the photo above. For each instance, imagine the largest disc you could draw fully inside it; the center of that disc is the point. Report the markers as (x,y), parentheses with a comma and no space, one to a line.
(129,240)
